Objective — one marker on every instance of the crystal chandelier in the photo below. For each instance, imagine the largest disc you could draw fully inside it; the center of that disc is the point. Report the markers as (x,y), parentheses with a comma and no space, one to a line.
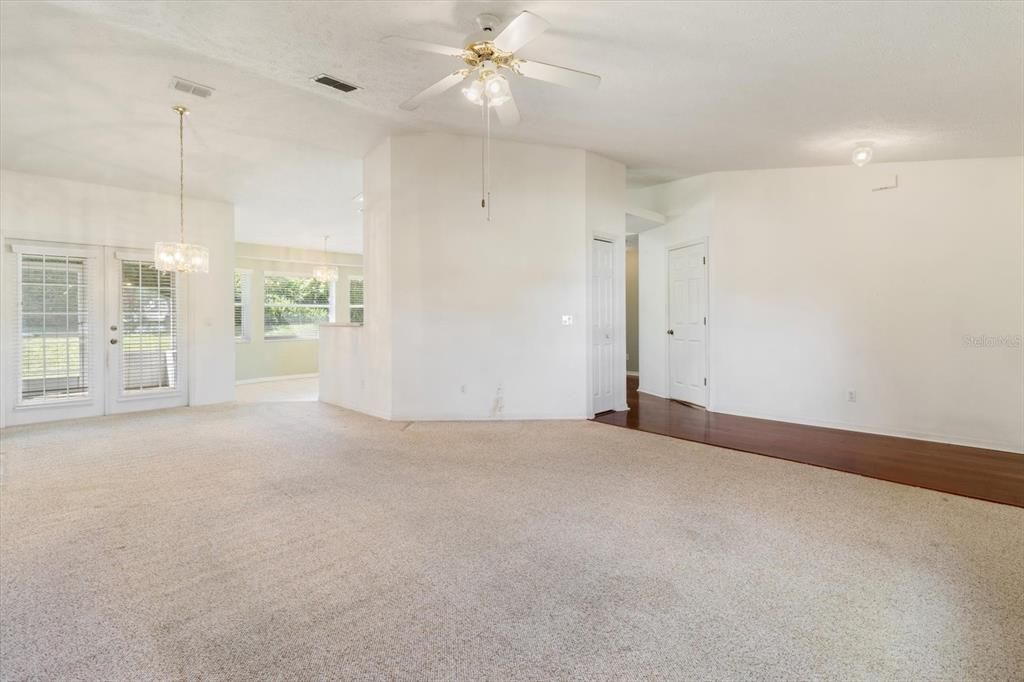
(325,273)
(180,256)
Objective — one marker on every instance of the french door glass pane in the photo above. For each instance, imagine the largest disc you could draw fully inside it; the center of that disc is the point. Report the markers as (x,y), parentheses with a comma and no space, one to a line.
(53,342)
(149,328)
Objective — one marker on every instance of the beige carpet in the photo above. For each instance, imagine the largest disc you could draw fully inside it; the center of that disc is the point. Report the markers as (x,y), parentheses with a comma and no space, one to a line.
(297,541)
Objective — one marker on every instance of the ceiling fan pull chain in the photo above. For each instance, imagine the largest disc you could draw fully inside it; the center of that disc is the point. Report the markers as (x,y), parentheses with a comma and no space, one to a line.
(487,106)
(483,165)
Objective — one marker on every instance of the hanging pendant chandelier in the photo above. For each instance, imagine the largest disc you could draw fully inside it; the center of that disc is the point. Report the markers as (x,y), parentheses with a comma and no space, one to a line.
(180,256)
(324,272)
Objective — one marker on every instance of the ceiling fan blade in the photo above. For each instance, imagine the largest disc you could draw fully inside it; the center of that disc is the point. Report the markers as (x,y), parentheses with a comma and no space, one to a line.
(423,46)
(520,31)
(434,90)
(559,75)
(508,113)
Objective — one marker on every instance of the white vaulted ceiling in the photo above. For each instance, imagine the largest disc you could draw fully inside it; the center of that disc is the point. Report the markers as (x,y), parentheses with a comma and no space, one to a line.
(688,88)
(85,100)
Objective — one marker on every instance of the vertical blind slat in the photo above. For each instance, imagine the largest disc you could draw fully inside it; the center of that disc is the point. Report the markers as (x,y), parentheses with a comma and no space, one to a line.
(243,283)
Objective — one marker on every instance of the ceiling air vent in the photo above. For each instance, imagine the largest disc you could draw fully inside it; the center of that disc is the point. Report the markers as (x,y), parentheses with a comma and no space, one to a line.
(332,82)
(182,85)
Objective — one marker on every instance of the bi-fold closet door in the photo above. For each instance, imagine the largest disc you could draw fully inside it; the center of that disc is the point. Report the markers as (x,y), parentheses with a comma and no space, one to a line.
(89,331)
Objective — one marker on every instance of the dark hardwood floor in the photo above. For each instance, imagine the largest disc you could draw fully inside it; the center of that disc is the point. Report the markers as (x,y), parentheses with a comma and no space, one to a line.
(991,475)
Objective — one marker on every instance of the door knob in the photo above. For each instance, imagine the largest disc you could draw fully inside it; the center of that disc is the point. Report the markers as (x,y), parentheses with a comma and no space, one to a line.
(671,331)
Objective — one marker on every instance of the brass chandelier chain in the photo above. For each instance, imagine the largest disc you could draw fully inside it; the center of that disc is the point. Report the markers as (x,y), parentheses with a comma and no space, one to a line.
(181,171)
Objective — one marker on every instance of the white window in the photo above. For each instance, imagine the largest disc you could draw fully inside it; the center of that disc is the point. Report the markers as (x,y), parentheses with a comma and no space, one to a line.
(243,282)
(355,300)
(149,328)
(53,327)
(294,306)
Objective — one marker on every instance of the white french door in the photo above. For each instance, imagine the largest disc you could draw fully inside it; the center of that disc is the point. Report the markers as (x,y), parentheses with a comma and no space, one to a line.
(144,334)
(52,309)
(88,331)
(687,332)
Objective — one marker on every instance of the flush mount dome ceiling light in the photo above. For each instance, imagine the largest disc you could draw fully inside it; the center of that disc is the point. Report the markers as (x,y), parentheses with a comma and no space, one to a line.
(862,155)
(181,256)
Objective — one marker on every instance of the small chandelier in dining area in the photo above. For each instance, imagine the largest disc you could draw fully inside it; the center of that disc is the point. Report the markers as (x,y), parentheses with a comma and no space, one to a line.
(181,256)
(324,272)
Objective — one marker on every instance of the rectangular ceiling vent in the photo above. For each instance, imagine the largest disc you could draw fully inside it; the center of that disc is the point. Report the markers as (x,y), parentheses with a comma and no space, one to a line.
(332,82)
(182,85)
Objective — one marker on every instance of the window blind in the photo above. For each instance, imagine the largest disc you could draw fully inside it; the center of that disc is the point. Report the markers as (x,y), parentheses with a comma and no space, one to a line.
(243,280)
(356,305)
(294,307)
(53,341)
(149,328)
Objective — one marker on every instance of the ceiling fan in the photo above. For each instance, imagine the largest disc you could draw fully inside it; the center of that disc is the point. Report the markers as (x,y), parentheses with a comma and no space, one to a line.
(488,55)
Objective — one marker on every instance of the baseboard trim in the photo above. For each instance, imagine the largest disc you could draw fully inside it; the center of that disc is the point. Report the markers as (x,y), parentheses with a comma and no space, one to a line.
(925,436)
(359,410)
(480,418)
(283,377)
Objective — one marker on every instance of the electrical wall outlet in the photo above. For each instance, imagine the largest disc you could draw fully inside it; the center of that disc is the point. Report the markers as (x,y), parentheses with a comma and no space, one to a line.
(567,320)
(851,396)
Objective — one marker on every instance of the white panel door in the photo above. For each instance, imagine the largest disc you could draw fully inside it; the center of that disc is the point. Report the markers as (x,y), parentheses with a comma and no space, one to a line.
(603,325)
(687,332)
(144,334)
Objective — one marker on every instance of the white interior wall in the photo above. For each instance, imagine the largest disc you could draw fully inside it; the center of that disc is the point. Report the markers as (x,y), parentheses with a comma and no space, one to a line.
(477,305)
(820,286)
(356,362)
(52,209)
(471,319)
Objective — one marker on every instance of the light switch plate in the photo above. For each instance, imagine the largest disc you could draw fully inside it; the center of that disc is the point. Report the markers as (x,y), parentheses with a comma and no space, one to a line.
(567,320)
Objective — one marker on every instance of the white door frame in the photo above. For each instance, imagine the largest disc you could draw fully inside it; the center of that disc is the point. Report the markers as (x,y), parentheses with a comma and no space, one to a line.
(618,241)
(595,358)
(707,306)
(16,412)
(117,402)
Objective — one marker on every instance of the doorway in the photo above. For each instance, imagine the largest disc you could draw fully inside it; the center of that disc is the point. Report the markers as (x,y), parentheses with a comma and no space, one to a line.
(687,329)
(96,331)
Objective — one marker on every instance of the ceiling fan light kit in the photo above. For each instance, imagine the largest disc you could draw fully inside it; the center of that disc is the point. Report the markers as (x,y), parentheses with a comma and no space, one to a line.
(489,57)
